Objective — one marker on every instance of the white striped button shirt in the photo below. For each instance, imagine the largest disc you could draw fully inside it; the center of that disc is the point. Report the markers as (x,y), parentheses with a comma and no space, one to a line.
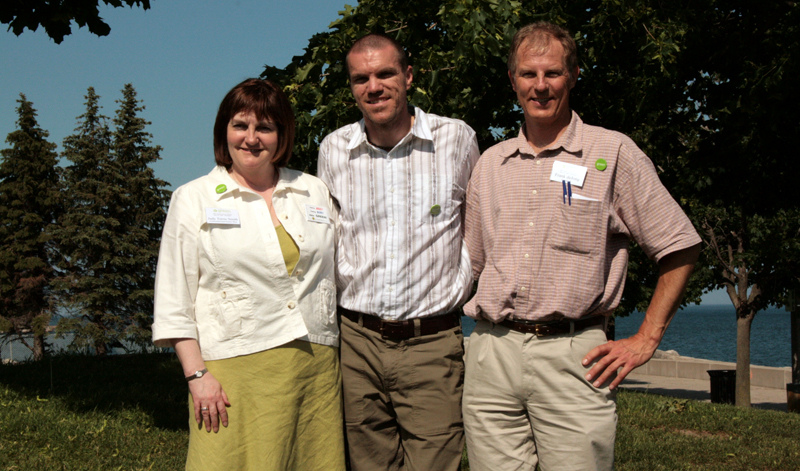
(400,252)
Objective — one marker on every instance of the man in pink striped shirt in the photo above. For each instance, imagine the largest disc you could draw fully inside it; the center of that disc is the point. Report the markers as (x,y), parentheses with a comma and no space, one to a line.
(549,217)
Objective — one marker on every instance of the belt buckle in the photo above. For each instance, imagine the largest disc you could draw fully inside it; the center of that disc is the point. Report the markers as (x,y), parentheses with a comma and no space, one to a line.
(382,331)
(536,331)
(386,328)
(393,330)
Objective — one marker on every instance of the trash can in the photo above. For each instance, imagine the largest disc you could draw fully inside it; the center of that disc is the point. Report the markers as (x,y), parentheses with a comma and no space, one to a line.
(723,386)
(793,397)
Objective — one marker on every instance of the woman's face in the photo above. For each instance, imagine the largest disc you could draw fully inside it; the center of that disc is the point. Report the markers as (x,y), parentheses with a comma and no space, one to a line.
(251,143)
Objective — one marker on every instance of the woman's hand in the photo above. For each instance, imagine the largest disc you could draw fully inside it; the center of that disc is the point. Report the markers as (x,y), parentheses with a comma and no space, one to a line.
(210,402)
(208,397)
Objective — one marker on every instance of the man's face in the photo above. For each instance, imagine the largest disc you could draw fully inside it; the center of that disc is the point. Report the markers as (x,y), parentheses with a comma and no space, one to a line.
(379,86)
(542,83)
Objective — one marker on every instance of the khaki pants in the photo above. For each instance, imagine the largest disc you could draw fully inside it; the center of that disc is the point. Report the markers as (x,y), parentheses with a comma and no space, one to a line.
(402,400)
(526,402)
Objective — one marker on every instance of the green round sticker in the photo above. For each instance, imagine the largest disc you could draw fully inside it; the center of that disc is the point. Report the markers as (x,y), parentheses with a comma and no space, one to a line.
(221,188)
(600,164)
(435,210)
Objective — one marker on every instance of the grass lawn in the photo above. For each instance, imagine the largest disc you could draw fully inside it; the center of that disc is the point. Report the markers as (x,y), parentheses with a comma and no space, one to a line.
(129,412)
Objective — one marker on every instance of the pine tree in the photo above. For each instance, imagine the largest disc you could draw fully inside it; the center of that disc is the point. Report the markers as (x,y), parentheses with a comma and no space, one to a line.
(110,234)
(29,207)
(142,213)
(85,232)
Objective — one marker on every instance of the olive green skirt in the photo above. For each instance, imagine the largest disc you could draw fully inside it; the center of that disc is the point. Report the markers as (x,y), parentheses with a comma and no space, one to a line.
(285,413)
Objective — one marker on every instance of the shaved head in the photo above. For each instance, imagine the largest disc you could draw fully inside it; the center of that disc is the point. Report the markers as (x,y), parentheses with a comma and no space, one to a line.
(377,41)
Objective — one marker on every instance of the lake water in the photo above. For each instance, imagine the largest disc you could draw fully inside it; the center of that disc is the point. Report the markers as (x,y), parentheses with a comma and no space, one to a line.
(16,351)
(709,332)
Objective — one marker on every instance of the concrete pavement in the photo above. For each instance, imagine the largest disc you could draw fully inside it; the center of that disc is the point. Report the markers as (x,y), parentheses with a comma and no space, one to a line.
(671,375)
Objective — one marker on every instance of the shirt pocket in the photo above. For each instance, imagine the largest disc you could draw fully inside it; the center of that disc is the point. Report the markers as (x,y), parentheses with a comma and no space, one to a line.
(576,227)
(231,315)
(433,194)
(326,302)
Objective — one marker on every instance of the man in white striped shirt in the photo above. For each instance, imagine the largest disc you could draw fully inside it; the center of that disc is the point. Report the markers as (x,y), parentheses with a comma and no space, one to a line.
(399,177)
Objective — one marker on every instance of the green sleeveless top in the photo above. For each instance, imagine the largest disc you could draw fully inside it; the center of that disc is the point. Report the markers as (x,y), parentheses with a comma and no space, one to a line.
(291,253)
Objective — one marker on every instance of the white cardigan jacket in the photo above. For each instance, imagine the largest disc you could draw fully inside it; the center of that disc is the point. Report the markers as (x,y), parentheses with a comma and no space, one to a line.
(223,281)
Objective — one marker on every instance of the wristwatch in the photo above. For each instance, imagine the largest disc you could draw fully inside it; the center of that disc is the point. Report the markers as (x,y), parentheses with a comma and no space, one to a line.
(197,374)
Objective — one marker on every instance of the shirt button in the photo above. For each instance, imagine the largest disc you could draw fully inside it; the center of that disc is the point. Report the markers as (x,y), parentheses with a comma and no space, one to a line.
(538,162)
(291,305)
(526,255)
(284,216)
(390,289)
(391,190)
(300,238)
(534,192)
(224,295)
(298,272)
(530,224)
(522,288)
(394,222)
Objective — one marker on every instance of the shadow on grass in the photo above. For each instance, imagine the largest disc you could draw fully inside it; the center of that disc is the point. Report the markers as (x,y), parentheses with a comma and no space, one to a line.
(152,383)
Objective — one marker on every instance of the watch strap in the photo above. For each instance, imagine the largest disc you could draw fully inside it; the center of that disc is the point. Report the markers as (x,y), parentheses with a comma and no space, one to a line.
(197,374)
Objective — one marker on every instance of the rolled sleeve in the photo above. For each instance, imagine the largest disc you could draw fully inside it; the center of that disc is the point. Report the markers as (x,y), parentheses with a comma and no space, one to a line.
(177,275)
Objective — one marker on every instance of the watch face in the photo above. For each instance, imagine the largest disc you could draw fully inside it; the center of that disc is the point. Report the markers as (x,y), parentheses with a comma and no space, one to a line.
(199,374)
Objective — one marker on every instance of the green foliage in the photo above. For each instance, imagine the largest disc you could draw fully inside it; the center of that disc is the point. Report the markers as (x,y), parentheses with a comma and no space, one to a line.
(142,213)
(29,207)
(706,88)
(456,49)
(56,16)
(740,64)
(110,232)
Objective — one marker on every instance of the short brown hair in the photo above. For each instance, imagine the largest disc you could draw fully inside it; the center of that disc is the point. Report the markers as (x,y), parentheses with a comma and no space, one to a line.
(267,102)
(377,41)
(539,35)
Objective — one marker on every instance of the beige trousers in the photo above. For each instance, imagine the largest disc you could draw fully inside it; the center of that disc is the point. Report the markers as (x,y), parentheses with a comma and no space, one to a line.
(402,400)
(526,402)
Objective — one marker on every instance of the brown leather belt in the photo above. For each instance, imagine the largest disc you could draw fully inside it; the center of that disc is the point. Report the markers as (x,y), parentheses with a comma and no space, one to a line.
(403,330)
(559,327)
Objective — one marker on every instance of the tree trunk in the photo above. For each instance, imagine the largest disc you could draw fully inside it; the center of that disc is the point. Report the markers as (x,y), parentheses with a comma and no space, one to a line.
(38,346)
(744,320)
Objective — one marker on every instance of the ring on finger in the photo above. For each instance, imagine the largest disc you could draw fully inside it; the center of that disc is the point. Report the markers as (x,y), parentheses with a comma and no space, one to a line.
(204,409)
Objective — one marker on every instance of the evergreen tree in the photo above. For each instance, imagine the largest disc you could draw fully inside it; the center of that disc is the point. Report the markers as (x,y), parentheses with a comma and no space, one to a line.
(85,233)
(29,207)
(144,200)
(109,235)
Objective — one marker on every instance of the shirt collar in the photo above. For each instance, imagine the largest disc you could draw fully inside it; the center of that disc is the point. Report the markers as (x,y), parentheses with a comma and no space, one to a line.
(221,183)
(571,141)
(420,129)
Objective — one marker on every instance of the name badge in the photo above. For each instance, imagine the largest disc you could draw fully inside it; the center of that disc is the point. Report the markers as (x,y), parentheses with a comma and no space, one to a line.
(564,172)
(317,214)
(223,216)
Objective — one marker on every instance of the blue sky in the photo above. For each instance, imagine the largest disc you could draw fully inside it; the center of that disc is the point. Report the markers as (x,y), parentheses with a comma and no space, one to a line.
(181,56)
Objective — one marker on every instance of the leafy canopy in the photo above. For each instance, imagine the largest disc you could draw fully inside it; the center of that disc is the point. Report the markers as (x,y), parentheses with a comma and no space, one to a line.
(56,16)
(705,88)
